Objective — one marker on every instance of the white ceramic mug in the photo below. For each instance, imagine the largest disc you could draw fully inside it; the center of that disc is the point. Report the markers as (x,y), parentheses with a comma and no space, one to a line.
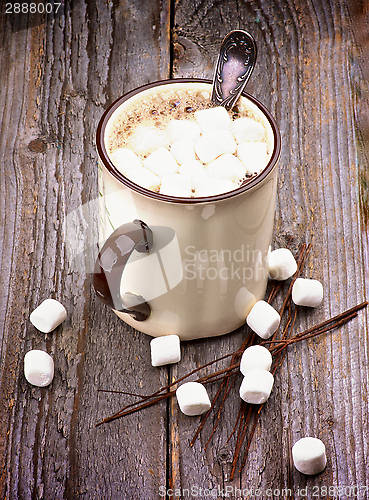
(187,266)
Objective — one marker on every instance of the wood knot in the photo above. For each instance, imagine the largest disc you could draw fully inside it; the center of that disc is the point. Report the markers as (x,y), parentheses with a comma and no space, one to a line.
(178,51)
(224,455)
(37,146)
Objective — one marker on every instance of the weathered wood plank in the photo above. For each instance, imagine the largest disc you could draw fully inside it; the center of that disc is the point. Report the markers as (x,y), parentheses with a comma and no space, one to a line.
(57,79)
(303,76)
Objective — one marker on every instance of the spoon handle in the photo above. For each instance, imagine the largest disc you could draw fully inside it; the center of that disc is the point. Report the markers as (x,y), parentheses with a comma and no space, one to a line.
(236,61)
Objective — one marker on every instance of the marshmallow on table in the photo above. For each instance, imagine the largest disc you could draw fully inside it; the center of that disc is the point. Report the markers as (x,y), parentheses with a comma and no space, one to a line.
(253,155)
(211,186)
(213,119)
(183,129)
(147,139)
(125,159)
(183,151)
(144,177)
(161,162)
(309,455)
(255,357)
(176,185)
(307,292)
(193,398)
(38,368)
(263,319)
(282,264)
(210,145)
(256,386)
(226,166)
(165,350)
(247,130)
(48,315)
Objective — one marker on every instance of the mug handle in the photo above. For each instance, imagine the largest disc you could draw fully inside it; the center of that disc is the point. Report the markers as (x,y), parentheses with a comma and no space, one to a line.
(110,265)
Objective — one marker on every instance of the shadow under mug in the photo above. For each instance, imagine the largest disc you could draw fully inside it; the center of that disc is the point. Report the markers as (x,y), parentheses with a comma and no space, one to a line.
(187,266)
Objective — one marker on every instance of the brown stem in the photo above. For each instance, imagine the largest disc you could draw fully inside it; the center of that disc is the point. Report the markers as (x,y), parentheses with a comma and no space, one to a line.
(133,410)
(240,439)
(249,441)
(235,425)
(203,420)
(220,409)
(225,382)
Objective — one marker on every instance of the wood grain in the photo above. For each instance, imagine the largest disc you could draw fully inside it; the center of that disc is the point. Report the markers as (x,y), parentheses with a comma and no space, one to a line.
(57,76)
(60,77)
(302,75)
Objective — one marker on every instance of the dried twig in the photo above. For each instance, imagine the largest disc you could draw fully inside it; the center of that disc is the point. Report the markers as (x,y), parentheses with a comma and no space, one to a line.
(227,376)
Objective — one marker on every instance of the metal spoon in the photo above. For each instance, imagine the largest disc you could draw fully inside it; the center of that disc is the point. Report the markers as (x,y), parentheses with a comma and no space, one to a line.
(236,61)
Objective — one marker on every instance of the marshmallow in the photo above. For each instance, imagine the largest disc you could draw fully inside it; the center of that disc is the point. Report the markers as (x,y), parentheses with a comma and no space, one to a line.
(176,185)
(307,292)
(144,177)
(263,319)
(183,129)
(282,264)
(247,130)
(183,151)
(213,119)
(193,398)
(213,144)
(48,315)
(256,386)
(165,350)
(226,166)
(309,455)
(193,169)
(125,159)
(255,357)
(147,139)
(211,186)
(161,162)
(253,155)
(38,368)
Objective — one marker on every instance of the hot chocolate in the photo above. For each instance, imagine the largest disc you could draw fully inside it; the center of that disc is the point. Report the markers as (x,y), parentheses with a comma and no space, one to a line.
(176,142)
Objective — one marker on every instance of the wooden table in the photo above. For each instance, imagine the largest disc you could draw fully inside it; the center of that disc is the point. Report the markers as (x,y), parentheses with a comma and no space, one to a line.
(58,74)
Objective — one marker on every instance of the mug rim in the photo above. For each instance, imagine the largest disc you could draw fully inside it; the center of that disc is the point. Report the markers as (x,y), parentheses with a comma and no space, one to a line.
(100,143)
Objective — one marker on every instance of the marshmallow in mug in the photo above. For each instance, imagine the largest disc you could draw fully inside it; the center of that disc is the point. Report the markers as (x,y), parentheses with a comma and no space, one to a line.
(211,145)
(213,119)
(309,456)
(228,150)
(48,315)
(176,185)
(247,130)
(183,151)
(148,139)
(180,129)
(38,368)
(212,186)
